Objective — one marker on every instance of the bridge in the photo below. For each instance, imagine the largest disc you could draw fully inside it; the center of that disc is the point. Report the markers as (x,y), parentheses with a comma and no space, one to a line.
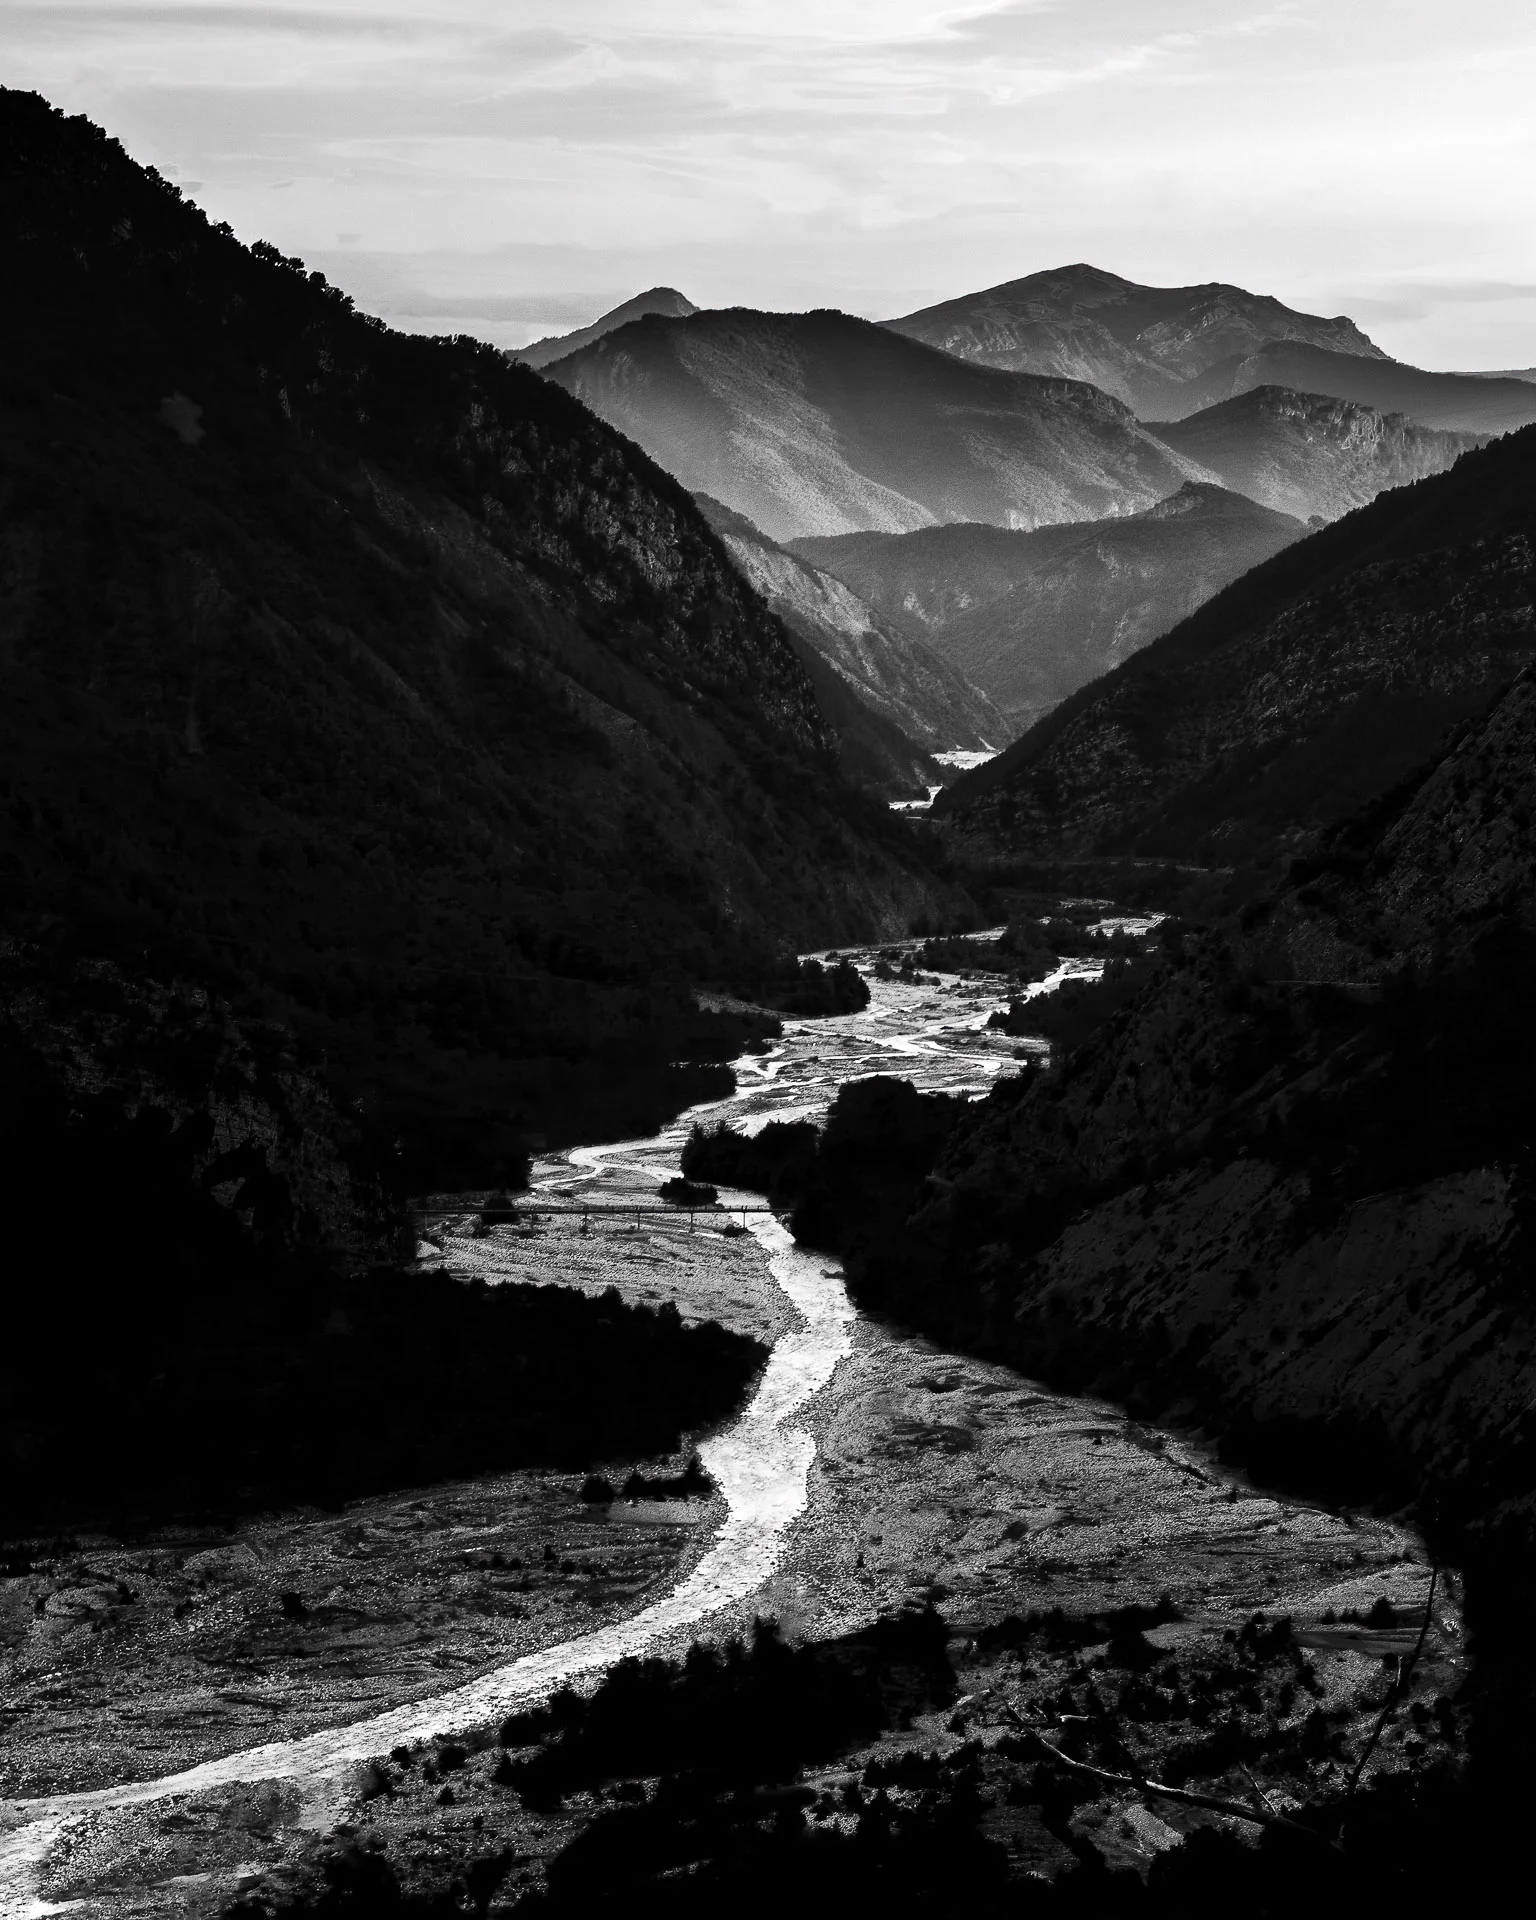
(535,1210)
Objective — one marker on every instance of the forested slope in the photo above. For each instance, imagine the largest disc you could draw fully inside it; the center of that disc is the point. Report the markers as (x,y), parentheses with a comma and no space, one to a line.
(372,683)
(1308,685)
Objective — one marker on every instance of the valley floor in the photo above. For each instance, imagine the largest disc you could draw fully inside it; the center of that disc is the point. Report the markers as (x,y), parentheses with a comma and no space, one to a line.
(923,1476)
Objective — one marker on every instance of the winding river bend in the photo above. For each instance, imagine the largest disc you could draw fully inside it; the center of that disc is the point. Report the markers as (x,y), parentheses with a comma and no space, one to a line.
(869,1467)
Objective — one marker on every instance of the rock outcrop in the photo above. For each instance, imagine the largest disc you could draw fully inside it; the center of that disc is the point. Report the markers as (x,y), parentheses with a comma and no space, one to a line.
(1310,456)
(1451,402)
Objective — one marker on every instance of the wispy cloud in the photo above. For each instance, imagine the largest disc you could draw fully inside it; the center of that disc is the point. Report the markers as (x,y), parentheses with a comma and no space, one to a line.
(873,153)
(125,17)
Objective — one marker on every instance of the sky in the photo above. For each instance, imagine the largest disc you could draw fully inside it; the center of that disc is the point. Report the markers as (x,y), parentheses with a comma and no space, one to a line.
(514,167)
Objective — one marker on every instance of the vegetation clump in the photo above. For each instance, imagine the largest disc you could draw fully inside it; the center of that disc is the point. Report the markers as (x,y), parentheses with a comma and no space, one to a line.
(299,697)
(223,1365)
(688,1193)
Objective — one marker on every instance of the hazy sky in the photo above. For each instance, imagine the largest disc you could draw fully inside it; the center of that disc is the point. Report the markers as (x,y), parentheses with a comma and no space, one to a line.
(512,167)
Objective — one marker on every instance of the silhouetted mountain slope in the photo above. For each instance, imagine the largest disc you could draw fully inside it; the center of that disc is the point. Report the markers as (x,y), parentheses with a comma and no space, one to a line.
(373,683)
(1310,683)
(1033,616)
(812,423)
(1286,1192)
(555,346)
(1142,344)
(1308,455)
(892,671)
(1455,402)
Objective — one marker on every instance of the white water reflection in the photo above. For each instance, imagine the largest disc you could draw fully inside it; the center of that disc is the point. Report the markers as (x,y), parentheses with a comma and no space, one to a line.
(760,1462)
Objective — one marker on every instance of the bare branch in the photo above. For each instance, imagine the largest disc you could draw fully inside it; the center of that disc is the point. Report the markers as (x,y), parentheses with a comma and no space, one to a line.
(1210,1802)
(1395,1693)
(1258,1792)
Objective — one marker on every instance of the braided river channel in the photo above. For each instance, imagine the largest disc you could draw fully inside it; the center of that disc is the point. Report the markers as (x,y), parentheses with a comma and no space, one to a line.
(868,1469)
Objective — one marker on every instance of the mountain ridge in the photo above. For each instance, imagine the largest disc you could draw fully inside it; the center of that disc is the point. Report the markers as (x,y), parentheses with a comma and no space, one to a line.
(1031,616)
(370,682)
(894,672)
(1444,402)
(1142,344)
(555,346)
(823,423)
(1318,678)
(1311,455)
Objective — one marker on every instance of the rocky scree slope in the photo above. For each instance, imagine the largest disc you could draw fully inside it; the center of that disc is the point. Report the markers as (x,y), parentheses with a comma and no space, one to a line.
(1145,345)
(1285,702)
(818,423)
(891,670)
(555,346)
(372,684)
(1308,455)
(1451,402)
(1031,617)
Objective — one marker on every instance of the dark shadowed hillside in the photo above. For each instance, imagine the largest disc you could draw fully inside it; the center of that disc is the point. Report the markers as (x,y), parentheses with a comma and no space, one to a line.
(814,423)
(539,353)
(372,683)
(1308,455)
(1285,702)
(1284,1193)
(891,671)
(1032,616)
(1457,402)
(1145,345)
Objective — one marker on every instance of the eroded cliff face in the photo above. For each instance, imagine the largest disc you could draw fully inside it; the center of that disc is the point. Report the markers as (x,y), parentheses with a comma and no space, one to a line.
(894,672)
(1378,1353)
(1309,455)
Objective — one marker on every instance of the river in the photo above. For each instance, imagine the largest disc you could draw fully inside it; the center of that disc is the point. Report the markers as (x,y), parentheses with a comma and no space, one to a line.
(869,1467)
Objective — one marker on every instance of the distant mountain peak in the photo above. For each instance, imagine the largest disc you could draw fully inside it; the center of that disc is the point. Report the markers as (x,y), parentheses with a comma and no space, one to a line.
(666,301)
(1197,496)
(824,423)
(1145,345)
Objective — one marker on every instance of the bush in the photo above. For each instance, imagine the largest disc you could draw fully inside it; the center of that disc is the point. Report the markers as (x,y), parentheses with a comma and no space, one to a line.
(688,1193)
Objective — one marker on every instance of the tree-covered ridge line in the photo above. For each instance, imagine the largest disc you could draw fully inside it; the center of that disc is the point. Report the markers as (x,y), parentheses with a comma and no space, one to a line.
(372,684)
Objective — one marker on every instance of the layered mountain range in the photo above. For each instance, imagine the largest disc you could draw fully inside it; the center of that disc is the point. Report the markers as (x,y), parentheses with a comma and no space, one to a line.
(818,423)
(1031,617)
(371,683)
(884,670)
(1309,455)
(1145,345)
(555,346)
(1277,1183)
(1453,402)
(1172,351)
(1300,690)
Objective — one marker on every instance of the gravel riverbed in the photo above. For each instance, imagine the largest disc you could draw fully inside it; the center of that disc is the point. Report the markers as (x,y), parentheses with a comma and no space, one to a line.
(885,1470)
